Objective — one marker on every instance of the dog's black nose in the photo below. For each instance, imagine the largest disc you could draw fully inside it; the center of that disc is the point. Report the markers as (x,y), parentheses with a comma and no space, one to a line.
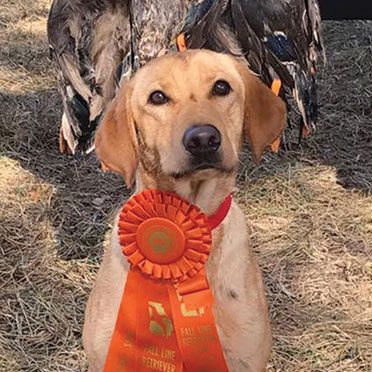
(202,139)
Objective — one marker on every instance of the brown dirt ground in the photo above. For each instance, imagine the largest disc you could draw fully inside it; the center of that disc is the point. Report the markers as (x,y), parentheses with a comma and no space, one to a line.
(310,210)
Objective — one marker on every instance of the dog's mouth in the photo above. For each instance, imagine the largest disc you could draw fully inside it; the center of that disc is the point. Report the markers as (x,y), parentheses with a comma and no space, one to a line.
(203,165)
(205,161)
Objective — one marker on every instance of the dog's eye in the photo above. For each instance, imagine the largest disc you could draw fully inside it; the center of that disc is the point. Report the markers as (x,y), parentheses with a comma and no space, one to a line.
(221,88)
(158,98)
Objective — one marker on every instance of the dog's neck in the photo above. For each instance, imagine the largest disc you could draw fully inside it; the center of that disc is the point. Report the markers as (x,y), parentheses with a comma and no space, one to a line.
(205,192)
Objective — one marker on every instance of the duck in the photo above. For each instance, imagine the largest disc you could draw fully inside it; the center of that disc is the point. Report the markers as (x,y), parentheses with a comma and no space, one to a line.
(97,45)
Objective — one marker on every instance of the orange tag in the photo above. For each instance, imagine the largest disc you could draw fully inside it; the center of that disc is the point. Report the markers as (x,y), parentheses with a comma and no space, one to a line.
(276,145)
(275,88)
(165,320)
(276,85)
(181,42)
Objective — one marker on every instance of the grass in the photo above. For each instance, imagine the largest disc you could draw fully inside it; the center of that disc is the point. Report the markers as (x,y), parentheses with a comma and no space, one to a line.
(310,212)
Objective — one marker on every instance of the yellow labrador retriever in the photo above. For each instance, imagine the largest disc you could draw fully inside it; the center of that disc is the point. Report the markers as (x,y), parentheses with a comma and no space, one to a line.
(178,126)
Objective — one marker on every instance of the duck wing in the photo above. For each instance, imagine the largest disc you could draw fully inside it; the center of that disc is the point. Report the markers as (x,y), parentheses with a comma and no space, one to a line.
(286,28)
(88,40)
(315,35)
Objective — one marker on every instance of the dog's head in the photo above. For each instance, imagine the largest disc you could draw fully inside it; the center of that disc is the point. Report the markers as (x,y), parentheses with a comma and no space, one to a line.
(186,115)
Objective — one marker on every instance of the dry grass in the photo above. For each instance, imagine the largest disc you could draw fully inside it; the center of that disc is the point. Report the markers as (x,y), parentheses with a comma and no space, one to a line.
(310,211)
(313,240)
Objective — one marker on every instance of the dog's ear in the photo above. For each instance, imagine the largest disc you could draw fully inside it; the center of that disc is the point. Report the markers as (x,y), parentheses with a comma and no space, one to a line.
(265,113)
(115,141)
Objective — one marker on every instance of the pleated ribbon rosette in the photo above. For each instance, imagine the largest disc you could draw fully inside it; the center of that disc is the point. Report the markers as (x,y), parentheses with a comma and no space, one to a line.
(165,320)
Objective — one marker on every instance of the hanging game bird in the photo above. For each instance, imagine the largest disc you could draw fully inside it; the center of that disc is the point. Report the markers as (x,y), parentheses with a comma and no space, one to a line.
(98,44)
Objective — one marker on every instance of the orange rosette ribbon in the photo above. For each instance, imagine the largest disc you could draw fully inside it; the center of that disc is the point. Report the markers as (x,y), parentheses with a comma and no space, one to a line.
(165,320)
